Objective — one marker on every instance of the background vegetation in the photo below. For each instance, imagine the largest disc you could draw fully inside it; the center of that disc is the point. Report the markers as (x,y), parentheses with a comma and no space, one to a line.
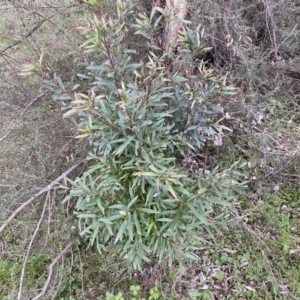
(255,46)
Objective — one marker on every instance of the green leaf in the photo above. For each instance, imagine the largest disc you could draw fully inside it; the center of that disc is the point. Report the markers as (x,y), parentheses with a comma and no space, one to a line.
(59,81)
(75,86)
(115,217)
(121,149)
(86,215)
(137,223)
(83,76)
(190,256)
(98,201)
(121,232)
(198,213)
(129,68)
(130,229)
(61,97)
(134,200)
(148,210)
(70,113)
(95,233)
(219,275)
(171,190)
(164,220)
(177,79)
(105,221)
(151,174)
(119,206)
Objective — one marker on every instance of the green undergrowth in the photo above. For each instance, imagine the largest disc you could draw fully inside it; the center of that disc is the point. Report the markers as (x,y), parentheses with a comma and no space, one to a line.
(10,271)
(257,258)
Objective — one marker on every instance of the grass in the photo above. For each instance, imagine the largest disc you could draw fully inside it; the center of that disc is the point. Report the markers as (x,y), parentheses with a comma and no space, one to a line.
(258,257)
(37,146)
(253,260)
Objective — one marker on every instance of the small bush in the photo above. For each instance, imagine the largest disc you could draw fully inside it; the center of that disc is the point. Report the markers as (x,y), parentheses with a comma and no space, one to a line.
(143,119)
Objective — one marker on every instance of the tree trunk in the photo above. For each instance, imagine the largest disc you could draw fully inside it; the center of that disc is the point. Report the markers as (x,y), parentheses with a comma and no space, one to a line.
(176,11)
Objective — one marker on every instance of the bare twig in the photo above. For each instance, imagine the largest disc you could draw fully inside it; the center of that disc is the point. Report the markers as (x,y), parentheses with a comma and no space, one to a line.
(30,246)
(57,258)
(33,101)
(271,26)
(273,173)
(4,137)
(41,192)
(26,36)
(6,185)
(28,8)
(48,19)
(51,123)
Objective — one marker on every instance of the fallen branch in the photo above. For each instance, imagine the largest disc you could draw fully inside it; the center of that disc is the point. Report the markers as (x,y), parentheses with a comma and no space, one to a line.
(26,36)
(33,101)
(6,186)
(51,123)
(57,258)
(30,246)
(4,137)
(273,173)
(41,192)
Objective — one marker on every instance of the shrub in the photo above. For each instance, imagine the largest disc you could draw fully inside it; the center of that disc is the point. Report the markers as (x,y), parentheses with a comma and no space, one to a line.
(143,119)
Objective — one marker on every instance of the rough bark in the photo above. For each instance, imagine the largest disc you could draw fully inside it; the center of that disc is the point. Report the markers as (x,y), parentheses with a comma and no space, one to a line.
(176,11)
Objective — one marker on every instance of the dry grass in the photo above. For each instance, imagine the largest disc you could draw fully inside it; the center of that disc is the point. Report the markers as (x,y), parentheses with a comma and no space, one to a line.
(36,144)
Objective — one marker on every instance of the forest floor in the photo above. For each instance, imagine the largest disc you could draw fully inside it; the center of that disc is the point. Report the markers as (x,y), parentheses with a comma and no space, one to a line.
(258,257)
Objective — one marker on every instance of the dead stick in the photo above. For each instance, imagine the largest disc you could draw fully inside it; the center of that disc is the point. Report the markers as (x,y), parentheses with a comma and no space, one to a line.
(26,36)
(4,137)
(30,246)
(33,101)
(57,258)
(273,173)
(42,191)
(6,186)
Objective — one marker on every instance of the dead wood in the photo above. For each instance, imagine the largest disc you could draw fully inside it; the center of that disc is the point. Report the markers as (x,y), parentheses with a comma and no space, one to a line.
(41,192)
